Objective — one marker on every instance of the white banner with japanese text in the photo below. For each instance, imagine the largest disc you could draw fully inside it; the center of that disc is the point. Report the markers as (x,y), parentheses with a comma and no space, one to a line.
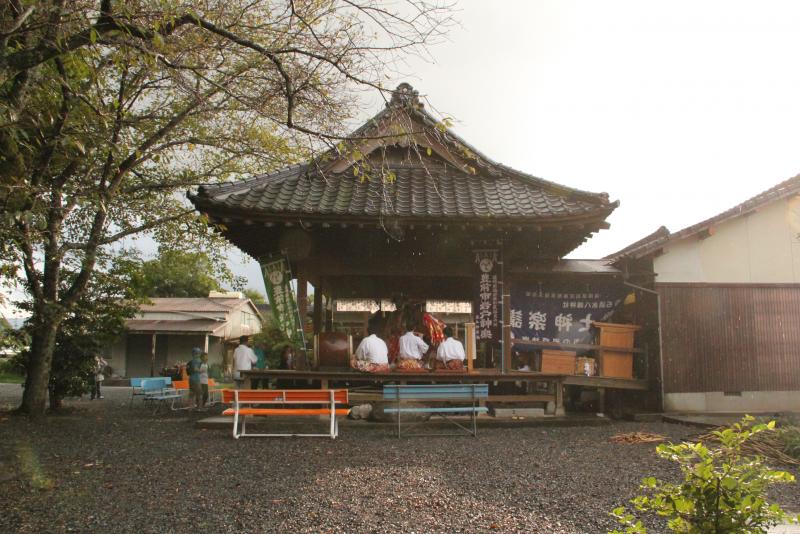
(561,314)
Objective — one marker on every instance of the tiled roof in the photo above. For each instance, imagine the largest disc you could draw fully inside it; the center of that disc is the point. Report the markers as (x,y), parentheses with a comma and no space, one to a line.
(657,239)
(782,190)
(436,188)
(644,244)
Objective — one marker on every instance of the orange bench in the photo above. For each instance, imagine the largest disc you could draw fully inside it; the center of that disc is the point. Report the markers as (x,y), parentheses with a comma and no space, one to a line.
(246,403)
(183,385)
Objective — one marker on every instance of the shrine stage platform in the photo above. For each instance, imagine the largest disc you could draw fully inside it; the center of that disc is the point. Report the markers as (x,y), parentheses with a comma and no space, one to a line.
(556,382)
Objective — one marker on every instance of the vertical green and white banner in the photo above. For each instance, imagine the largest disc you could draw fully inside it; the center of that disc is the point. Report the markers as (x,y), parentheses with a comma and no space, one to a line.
(277,278)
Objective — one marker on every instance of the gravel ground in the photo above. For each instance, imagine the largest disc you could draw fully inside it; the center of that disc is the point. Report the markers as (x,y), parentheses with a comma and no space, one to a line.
(101,467)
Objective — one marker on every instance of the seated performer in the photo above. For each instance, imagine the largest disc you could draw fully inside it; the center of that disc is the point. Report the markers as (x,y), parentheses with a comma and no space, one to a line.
(372,354)
(450,354)
(412,349)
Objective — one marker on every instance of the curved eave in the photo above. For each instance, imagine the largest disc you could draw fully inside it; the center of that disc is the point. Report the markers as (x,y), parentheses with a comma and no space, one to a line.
(226,213)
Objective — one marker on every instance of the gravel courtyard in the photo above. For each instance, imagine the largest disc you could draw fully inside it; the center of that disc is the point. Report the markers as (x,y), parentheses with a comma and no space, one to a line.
(102,467)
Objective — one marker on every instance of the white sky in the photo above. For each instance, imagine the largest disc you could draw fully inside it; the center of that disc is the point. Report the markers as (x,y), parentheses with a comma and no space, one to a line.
(678,109)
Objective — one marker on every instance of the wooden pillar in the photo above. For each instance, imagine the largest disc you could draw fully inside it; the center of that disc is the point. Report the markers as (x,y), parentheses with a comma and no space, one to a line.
(153,356)
(302,299)
(318,311)
(329,315)
(506,357)
(205,344)
(601,400)
(470,344)
(559,398)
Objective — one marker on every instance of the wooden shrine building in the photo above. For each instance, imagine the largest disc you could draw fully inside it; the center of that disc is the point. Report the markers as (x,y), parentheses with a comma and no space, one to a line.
(408,210)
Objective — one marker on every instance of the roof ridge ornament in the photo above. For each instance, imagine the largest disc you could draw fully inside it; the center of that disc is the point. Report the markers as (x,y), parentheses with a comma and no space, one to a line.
(405,96)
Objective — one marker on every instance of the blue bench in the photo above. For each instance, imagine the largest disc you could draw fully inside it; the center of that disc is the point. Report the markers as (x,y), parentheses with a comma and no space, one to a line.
(159,391)
(461,399)
(138,391)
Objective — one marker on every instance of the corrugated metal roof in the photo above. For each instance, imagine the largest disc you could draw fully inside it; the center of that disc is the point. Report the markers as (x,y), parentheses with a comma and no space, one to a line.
(207,326)
(200,304)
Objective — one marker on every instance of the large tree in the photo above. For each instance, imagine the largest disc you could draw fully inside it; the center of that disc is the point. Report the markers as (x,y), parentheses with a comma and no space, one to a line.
(177,273)
(108,110)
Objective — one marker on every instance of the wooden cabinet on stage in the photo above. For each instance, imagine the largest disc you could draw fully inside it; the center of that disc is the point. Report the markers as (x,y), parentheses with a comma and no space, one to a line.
(558,362)
(616,361)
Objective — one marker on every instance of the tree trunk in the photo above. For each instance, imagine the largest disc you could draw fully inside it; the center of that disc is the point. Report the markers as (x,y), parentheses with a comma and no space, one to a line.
(43,342)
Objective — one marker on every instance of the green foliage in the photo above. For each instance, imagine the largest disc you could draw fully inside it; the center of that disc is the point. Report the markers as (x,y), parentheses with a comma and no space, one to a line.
(10,373)
(256,296)
(722,490)
(176,273)
(216,371)
(274,341)
(111,111)
(790,437)
(12,340)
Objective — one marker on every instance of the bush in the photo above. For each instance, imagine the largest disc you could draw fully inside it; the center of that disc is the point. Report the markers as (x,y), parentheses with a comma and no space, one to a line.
(790,436)
(721,491)
(215,371)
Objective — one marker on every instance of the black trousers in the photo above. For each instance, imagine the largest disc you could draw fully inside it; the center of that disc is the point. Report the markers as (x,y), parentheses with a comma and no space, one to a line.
(95,389)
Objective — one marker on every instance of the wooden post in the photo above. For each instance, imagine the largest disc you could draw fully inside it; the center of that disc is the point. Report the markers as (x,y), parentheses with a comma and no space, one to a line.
(559,398)
(302,300)
(601,400)
(471,344)
(153,356)
(318,310)
(329,315)
(506,357)
(205,344)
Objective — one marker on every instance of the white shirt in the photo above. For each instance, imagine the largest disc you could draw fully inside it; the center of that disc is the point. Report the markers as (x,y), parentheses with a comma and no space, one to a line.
(243,358)
(204,373)
(412,347)
(373,349)
(450,349)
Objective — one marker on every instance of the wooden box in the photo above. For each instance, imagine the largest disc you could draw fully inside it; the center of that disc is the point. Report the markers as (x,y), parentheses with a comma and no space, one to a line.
(616,363)
(559,362)
(333,350)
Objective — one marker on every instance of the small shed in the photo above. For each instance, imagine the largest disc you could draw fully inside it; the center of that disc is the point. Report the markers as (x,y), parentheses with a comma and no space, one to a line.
(166,329)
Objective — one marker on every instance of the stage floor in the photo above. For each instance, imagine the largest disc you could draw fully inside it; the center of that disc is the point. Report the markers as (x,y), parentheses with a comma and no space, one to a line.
(475,376)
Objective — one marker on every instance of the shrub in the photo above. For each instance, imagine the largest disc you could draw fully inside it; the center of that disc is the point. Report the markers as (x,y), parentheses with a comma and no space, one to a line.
(790,436)
(215,371)
(722,490)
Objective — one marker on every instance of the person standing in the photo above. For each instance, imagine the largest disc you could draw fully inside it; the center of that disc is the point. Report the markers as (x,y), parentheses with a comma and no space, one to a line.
(98,377)
(204,378)
(243,360)
(195,386)
(412,349)
(450,354)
